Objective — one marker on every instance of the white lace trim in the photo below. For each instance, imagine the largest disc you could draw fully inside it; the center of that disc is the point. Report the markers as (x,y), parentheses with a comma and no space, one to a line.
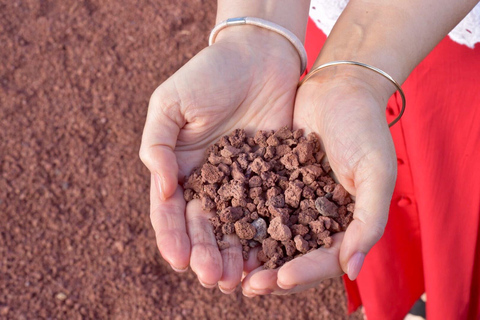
(326,12)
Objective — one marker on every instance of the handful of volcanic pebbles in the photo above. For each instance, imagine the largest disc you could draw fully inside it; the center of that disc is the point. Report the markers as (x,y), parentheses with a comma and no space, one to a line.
(273,191)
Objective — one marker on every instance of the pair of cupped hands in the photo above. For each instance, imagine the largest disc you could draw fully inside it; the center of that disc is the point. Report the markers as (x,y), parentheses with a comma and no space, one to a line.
(249,80)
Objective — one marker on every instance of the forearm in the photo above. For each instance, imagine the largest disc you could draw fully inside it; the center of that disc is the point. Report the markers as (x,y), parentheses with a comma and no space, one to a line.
(290,14)
(392,35)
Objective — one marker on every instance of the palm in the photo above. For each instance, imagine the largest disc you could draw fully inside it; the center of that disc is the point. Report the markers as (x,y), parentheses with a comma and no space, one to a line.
(222,88)
(231,96)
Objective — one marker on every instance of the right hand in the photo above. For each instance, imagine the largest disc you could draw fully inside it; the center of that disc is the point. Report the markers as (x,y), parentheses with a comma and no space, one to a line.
(247,79)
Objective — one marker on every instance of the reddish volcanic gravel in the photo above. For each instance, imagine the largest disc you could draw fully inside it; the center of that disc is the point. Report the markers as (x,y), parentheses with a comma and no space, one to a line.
(273,192)
(75,236)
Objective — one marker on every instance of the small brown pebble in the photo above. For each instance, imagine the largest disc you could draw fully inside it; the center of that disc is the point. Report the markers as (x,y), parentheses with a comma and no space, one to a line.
(229,151)
(272,192)
(307,203)
(277,201)
(301,244)
(251,142)
(297,134)
(233,189)
(207,203)
(231,214)
(255,192)
(326,207)
(237,138)
(222,245)
(210,190)
(308,193)
(260,138)
(290,161)
(308,178)
(255,181)
(329,188)
(262,257)
(228,228)
(245,230)
(289,247)
(269,153)
(224,168)
(340,195)
(327,242)
(305,151)
(269,179)
(279,231)
(283,133)
(269,247)
(319,156)
(317,226)
(299,229)
(351,207)
(259,165)
(242,202)
(293,193)
(211,173)
(194,181)
(251,207)
(326,167)
(188,194)
(282,150)
(283,213)
(306,216)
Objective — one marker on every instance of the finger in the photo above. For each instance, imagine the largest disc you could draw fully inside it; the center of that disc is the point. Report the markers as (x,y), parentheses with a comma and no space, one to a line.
(205,259)
(252,262)
(162,126)
(308,270)
(168,221)
(373,195)
(260,282)
(232,264)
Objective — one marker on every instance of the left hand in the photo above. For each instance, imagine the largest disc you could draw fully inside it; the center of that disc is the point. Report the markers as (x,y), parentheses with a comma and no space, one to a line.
(348,113)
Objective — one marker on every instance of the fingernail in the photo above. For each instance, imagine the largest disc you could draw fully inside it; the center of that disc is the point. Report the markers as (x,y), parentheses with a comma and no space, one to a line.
(262,292)
(180,270)
(247,291)
(354,265)
(208,286)
(159,183)
(285,286)
(226,291)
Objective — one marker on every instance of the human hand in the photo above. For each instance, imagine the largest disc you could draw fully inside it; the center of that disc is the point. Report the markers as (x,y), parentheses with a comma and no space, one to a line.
(348,113)
(247,79)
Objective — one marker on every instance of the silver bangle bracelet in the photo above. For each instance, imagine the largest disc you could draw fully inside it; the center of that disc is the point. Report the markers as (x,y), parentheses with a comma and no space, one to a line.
(266,25)
(363,65)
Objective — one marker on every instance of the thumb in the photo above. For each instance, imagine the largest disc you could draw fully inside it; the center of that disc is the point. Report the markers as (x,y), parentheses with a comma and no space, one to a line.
(162,127)
(374,188)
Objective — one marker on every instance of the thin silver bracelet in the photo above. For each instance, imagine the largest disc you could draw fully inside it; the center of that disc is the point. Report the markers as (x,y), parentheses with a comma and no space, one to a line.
(364,65)
(266,25)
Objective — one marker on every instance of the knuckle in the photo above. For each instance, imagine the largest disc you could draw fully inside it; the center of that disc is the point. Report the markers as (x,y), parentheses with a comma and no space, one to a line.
(376,231)
(145,156)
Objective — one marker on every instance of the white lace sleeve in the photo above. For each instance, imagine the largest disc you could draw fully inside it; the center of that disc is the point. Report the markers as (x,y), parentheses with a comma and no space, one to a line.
(326,12)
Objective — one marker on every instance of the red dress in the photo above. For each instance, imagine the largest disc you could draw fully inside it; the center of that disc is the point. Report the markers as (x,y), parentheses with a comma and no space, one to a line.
(431,243)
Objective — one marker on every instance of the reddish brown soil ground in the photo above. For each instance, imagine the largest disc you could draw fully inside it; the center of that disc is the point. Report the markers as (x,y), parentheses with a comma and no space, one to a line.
(75,236)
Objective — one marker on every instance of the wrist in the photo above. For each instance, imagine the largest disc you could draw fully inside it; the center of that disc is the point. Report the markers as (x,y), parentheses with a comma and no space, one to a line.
(347,81)
(265,46)
(290,14)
